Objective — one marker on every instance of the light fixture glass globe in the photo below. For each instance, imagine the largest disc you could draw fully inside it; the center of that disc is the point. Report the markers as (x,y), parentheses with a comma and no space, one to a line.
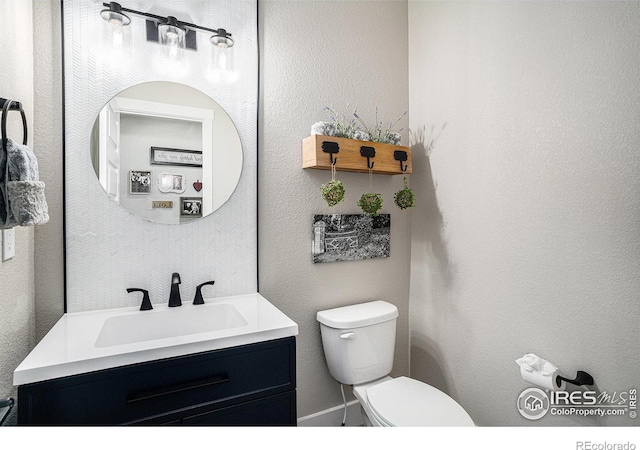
(222,39)
(222,52)
(115,18)
(171,33)
(114,15)
(116,32)
(222,59)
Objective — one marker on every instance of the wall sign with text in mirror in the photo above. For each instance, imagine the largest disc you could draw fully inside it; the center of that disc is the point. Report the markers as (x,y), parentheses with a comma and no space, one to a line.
(176,157)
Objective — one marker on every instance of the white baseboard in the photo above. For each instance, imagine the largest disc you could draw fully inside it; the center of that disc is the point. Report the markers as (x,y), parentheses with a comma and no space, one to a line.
(332,417)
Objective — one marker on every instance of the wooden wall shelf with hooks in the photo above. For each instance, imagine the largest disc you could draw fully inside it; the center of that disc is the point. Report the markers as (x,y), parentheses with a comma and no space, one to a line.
(318,151)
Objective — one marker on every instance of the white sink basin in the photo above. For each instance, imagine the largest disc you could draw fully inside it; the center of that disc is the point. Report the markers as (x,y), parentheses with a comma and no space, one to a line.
(97,340)
(168,323)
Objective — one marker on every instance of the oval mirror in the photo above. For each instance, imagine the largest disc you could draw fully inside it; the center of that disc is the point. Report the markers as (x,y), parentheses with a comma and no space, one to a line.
(166,152)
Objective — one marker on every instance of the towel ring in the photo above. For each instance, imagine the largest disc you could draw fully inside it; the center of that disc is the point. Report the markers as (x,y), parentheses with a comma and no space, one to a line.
(10,105)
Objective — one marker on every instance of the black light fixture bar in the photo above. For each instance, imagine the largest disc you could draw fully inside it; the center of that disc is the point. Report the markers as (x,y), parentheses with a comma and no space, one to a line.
(161,19)
(153,20)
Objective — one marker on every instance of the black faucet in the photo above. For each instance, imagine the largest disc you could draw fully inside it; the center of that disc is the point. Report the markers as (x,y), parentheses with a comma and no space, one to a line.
(174,297)
(198,300)
(146,302)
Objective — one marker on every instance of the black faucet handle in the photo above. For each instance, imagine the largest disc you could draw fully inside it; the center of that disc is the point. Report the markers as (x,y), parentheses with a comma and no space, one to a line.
(146,301)
(198,300)
(175,278)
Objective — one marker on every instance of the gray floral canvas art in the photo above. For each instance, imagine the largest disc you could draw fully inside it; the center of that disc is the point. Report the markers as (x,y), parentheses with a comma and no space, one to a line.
(350,237)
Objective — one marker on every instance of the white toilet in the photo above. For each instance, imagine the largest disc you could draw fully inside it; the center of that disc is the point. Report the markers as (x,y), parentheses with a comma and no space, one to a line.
(359,342)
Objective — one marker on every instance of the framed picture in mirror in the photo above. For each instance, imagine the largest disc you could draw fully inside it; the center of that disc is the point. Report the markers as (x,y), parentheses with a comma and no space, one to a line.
(190,207)
(171,182)
(139,182)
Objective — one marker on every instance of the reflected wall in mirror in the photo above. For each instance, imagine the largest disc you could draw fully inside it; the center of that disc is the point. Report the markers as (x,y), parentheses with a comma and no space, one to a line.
(159,142)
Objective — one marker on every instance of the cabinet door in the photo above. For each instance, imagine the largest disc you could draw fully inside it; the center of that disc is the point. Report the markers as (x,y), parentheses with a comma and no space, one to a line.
(277,409)
(162,390)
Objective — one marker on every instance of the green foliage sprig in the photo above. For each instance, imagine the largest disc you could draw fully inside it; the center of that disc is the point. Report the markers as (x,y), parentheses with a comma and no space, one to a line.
(405,198)
(345,126)
(370,203)
(353,127)
(379,133)
(333,192)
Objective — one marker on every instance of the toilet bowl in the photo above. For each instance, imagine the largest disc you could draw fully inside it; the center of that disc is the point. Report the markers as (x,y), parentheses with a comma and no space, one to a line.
(405,402)
(358,343)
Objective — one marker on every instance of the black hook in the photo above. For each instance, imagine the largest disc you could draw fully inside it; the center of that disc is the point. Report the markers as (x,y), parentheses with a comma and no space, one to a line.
(368,152)
(331,148)
(401,155)
(582,378)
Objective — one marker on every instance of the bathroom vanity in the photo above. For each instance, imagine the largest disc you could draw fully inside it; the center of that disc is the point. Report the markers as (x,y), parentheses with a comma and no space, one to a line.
(135,215)
(241,372)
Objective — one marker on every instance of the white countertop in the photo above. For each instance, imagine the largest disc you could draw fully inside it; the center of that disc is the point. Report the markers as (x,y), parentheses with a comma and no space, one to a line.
(69,347)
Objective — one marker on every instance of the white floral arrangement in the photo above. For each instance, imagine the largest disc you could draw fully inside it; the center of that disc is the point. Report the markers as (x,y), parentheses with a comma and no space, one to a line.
(324,128)
(353,127)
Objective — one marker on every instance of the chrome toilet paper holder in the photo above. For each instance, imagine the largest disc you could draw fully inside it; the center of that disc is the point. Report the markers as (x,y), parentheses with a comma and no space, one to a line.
(582,378)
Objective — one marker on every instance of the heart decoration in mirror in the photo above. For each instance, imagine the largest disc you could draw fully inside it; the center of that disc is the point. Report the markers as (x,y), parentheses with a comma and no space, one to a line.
(197,186)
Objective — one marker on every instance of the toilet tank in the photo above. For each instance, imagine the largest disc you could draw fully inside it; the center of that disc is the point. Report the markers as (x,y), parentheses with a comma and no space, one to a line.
(359,340)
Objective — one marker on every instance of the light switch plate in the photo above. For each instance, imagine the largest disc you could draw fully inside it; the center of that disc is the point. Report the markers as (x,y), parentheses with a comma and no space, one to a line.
(8,244)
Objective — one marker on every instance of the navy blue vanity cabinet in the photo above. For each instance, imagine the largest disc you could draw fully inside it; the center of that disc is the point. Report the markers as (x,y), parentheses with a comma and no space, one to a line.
(247,385)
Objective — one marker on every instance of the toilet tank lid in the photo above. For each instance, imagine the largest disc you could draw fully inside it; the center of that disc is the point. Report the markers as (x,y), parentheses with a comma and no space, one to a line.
(359,315)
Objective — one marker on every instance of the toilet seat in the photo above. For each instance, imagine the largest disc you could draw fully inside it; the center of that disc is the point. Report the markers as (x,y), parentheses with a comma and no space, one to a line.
(405,402)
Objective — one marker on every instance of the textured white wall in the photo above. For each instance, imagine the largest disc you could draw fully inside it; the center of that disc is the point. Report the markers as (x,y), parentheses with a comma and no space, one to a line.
(17,310)
(108,249)
(316,54)
(525,236)
(47,140)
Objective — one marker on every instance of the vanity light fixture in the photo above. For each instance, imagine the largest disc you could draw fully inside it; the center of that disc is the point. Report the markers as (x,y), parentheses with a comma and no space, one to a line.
(222,53)
(115,27)
(173,37)
(169,31)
